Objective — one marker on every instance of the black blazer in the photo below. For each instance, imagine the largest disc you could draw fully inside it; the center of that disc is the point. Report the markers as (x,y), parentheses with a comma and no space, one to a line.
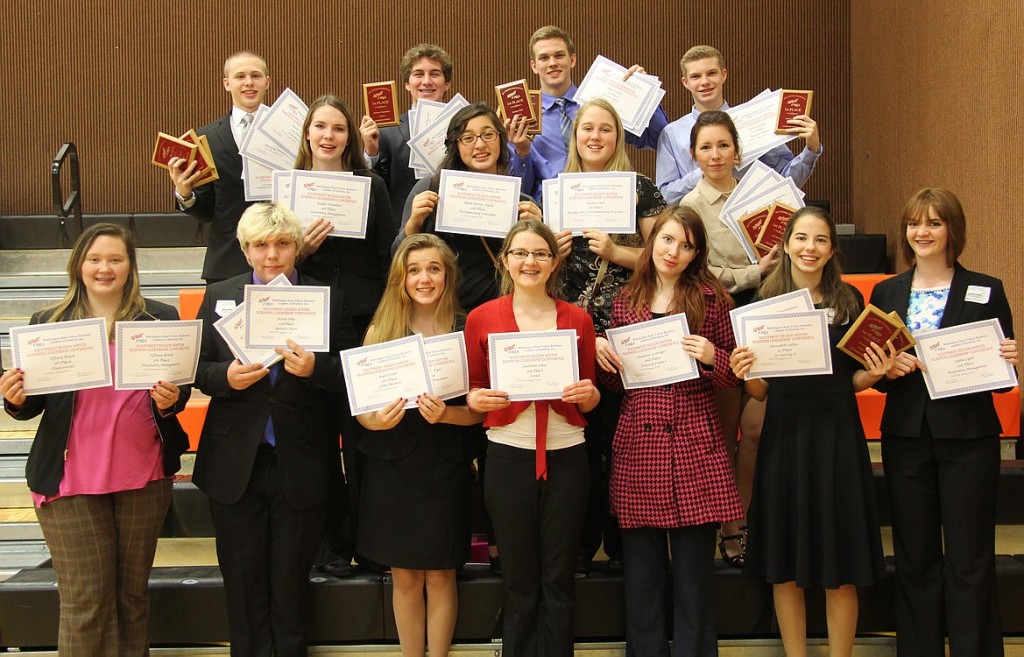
(393,166)
(305,411)
(907,404)
(45,467)
(221,204)
(359,267)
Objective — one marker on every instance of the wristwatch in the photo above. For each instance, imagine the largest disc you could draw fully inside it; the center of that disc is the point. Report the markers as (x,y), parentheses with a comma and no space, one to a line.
(184,199)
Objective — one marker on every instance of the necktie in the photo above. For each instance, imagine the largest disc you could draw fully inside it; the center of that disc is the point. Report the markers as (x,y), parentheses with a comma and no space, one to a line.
(269,436)
(541,408)
(244,122)
(564,121)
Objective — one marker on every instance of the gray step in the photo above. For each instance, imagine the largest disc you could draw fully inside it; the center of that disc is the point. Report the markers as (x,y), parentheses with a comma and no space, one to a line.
(19,531)
(14,492)
(179,266)
(19,555)
(18,304)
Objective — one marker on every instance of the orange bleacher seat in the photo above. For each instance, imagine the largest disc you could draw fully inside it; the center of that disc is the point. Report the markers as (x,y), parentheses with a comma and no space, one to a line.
(192,420)
(872,403)
(865,282)
(189,300)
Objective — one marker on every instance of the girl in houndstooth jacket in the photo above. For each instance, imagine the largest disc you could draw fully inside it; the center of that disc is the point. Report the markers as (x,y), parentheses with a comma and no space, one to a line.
(672,482)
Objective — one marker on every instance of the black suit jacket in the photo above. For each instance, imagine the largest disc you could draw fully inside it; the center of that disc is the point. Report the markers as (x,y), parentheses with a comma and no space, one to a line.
(221,204)
(45,467)
(393,166)
(907,404)
(305,411)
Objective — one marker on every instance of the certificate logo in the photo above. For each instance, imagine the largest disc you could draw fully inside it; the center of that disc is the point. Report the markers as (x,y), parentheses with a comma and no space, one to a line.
(626,341)
(363,361)
(511,349)
(136,338)
(35,341)
(459,185)
(310,185)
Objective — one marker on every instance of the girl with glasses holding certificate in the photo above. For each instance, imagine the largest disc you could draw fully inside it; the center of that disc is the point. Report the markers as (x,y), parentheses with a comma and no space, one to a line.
(415,496)
(714,145)
(942,455)
(668,439)
(101,461)
(537,480)
(813,521)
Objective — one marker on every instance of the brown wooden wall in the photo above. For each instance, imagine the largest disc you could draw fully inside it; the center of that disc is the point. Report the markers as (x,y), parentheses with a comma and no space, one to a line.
(937,91)
(109,74)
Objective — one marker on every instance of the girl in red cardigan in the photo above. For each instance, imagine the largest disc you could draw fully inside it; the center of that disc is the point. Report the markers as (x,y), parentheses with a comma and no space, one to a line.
(537,481)
(671,482)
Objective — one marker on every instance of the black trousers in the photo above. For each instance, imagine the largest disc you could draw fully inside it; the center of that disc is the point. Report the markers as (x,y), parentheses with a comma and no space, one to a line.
(537,524)
(265,548)
(654,585)
(943,495)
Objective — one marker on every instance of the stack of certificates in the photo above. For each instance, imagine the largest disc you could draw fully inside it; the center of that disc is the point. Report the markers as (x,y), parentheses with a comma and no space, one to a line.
(604,200)
(189,147)
(428,126)
(873,325)
(758,209)
(335,196)
(635,99)
(756,122)
(271,144)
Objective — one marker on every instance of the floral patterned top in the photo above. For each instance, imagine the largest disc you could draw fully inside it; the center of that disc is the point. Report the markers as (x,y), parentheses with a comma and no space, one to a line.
(924,312)
(581,268)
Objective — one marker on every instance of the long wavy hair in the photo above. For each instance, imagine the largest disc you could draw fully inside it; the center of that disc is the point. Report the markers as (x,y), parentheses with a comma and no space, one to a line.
(835,294)
(393,317)
(352,156)
(75,304)
(688,296)
(619,160)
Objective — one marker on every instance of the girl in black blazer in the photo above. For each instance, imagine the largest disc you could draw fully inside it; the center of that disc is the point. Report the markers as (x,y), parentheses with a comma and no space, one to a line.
(101,461)
(941,456)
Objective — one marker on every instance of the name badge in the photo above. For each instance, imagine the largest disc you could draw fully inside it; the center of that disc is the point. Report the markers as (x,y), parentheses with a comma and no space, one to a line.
(224,306)
(977,294)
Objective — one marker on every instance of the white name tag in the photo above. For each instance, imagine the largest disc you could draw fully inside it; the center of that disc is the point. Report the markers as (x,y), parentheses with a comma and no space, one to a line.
(977,294)
(224,306)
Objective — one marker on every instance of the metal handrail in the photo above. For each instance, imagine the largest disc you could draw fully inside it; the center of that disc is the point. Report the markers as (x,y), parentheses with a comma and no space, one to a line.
(72,205)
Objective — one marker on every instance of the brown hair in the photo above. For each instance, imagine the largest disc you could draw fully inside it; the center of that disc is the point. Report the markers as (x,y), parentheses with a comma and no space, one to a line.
(688,296)
(352,156)
(551,32)
(947,207)
(835,294)
(452,157)
(714,117)
(538,228)
(697,53)
(429,51)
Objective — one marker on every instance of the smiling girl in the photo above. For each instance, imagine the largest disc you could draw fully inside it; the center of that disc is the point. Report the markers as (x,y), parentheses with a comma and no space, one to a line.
(813,521)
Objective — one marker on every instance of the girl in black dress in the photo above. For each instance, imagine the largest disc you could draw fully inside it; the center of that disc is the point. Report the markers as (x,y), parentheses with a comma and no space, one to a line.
(813,521)
(415,497)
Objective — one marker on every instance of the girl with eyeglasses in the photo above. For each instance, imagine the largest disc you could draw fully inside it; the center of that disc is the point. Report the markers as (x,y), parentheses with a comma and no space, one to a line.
(671,481)
(537,482)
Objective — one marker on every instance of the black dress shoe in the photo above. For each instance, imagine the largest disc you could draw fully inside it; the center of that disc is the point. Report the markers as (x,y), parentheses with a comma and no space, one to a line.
(336,569)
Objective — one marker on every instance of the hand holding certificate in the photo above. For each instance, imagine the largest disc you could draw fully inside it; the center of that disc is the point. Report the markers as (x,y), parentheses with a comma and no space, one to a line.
(652,352)
(62,356)
(148,352)
(474,203)
(378,374)
(533,365)
(787,344)
(337,196)
(604,200)
(446,360)
(274,315)
(964,359)
(635,99)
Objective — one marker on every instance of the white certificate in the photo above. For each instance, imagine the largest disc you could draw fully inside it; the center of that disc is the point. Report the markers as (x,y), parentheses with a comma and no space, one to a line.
(474,203)
(337,196)
(282,124)
(282,186)
(274,315)
(755,123)
(533,365)
(258,180)
(62,356)
(256,145)
(428,145)
(231,327)
(446,360)
(964,359)
(147,352)
(603,201)
(652,352)
(549,197)
(789,344)
(421,115)
(634,99)
(791,302)
(378,374)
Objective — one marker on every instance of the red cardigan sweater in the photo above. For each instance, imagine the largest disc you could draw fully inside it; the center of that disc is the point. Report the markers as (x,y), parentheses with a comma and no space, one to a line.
(497,317)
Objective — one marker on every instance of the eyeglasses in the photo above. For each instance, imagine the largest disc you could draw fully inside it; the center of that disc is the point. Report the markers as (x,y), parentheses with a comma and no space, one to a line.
(523,254)
(469,139)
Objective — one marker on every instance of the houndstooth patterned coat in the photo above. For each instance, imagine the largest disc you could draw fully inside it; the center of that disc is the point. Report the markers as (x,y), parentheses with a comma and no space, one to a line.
(670,467)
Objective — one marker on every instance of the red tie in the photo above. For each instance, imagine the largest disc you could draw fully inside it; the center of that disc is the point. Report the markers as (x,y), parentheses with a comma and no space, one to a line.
(541,408)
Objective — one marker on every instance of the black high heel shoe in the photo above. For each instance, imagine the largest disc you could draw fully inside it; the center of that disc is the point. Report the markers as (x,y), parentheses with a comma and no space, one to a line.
(734,560)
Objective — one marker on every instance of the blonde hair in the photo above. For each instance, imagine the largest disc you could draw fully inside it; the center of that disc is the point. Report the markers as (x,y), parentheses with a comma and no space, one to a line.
(75,304)
(619,160)
(697,53)
(263,220)
(394,312)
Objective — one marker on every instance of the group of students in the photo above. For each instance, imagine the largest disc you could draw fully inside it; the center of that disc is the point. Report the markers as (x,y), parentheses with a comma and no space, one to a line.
(805,516)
